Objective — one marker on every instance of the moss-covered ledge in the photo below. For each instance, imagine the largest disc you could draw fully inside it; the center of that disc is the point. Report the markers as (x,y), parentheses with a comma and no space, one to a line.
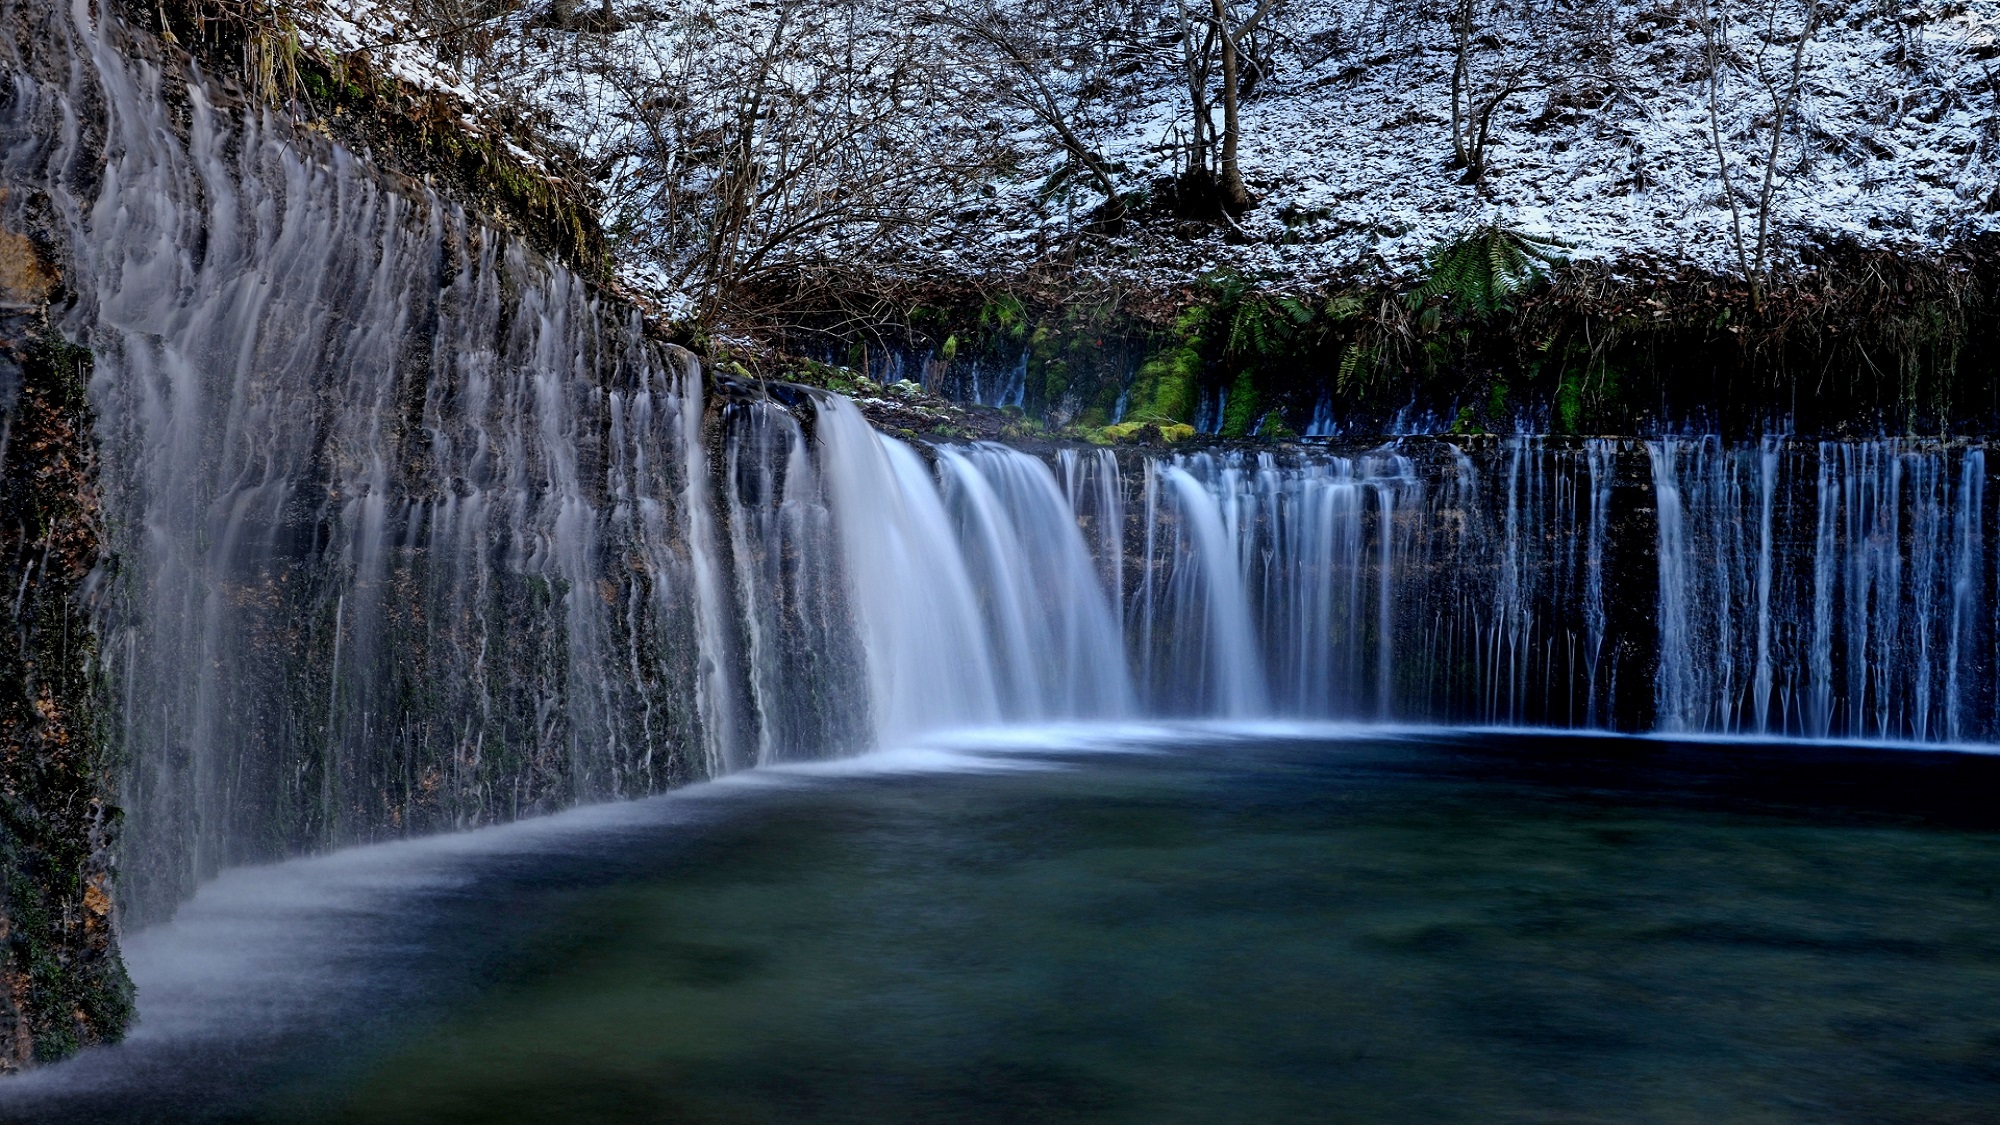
(1857,341)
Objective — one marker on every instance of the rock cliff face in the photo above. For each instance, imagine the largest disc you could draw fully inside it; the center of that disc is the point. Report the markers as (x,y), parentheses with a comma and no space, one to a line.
(61,984)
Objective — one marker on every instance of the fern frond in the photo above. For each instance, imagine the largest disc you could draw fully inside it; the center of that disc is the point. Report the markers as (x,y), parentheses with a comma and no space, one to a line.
(1350,362)
(1484,268)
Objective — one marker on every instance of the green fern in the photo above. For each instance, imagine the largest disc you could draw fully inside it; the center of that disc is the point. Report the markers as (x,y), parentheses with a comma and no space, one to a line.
(1005,315)
(1486,268)
(1343,307)
(1262,326)
(1350,365)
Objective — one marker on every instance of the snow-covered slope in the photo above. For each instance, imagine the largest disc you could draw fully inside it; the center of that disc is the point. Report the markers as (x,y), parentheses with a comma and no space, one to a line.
(1615,152)
(1615,139)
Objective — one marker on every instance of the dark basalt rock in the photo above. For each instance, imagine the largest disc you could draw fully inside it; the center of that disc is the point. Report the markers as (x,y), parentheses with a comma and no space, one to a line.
(62,986)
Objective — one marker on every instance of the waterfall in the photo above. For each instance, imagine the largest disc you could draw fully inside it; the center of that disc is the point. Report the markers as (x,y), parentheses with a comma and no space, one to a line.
(807,691)
(976,596)
(1830,589)
(1600,458)
(1058,643)
(1209,584)
(1681,685)
(1273,594)
(1414,581)
(410,529)
(1968,561)
(930,661)
(1094,487)
(1833,589)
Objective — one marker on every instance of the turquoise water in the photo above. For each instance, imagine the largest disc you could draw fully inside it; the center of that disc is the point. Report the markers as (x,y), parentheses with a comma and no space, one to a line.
(1206,928)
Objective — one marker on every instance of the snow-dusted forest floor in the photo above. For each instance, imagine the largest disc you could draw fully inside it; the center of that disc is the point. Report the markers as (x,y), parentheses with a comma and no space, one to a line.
(1614,139)
(1615,156)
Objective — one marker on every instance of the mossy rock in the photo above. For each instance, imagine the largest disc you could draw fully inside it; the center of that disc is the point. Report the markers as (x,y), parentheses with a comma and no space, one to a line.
(1124,432)
(1244,408)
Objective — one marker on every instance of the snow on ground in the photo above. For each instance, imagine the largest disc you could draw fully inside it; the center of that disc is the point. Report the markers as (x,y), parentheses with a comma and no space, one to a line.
(1890,153)
(1609,144)
(389,38)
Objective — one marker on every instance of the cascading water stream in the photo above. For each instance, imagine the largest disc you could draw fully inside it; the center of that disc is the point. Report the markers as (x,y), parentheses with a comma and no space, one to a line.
(1208,582)
(974,593)
(1812,589)
(930,662)
(1047,607)
(1832,589)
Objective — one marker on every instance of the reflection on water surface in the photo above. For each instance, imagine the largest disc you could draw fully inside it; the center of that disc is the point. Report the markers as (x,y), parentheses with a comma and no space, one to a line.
(1278,926)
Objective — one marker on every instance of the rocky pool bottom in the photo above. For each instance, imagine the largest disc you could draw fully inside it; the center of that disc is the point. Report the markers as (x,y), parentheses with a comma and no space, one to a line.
(1119,925)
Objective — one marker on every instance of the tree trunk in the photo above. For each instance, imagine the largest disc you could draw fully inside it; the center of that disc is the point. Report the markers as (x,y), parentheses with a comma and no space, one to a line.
(1781,108)
(1461,77)
(1195,57)
(1236,198)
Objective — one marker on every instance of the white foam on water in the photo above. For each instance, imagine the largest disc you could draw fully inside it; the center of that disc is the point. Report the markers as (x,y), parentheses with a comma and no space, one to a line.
(1745,740)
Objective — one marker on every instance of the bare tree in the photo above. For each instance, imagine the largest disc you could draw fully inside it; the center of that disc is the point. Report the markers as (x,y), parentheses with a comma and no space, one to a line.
(773,142)
(1236,197)
(1032,63)
(1472,115)
(1714,19)
(1211,43)
(1197,42)
(1781,87)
